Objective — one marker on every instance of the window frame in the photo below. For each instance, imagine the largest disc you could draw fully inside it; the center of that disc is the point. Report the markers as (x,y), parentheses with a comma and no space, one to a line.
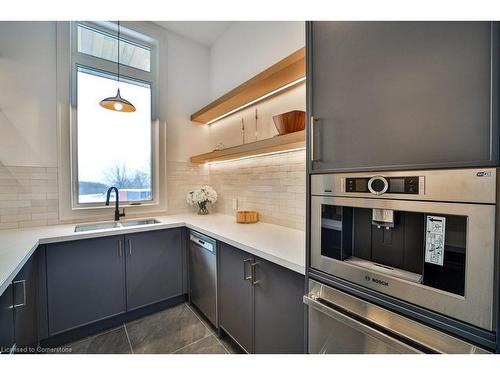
(107,67)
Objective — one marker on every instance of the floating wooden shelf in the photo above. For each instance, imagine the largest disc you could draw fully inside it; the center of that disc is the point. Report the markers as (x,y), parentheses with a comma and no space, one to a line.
(263,86)
(278,143)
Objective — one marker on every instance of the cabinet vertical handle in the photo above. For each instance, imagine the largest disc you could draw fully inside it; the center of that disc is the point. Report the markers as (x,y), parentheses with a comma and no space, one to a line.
(311,138)
(254,282)
(245,277)
(129,247)
(119,248)
(24,292)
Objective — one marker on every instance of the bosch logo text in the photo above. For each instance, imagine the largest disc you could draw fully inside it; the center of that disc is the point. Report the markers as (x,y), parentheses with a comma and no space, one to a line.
(376,281)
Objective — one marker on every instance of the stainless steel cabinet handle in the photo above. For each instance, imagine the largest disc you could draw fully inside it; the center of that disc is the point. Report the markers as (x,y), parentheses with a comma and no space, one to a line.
(129,246)
(245,277)
(119,248)
(24,292)
(254,282)
(311,137)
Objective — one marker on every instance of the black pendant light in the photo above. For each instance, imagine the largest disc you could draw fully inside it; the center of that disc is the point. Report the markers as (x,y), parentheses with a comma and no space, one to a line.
(117,103)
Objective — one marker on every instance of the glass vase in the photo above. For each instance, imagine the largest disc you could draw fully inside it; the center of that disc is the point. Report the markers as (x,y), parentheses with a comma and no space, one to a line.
(202,208)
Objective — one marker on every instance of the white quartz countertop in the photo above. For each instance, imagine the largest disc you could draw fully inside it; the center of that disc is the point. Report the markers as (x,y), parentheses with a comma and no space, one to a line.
(280,245)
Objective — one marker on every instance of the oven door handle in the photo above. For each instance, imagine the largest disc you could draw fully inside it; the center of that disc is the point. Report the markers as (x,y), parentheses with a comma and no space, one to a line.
(314,303)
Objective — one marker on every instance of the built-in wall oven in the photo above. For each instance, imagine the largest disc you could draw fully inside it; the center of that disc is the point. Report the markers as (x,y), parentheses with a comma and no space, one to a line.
(340,323)
(424,237)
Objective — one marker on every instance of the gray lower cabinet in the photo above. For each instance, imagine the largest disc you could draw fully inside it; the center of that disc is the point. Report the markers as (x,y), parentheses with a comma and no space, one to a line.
(235,295)
(6,320)
(260,303)
(85,282)
(398,95)
(18,309)
(94,279)
(154,266)
(278,309)
(25,286)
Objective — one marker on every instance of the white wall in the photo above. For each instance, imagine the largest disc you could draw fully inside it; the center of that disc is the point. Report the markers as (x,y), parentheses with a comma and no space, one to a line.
(192,75)
(242,51)
(248,47)
(187,91)
(28,94)
(28,76)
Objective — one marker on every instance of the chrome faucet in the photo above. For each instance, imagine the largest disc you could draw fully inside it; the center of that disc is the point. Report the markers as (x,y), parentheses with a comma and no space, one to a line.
(118,215)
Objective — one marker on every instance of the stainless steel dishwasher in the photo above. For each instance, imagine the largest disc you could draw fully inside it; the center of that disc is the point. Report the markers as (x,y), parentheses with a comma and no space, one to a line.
(203,274)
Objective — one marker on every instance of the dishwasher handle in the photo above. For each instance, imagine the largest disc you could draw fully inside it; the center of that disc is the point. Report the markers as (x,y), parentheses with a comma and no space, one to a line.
(210,246)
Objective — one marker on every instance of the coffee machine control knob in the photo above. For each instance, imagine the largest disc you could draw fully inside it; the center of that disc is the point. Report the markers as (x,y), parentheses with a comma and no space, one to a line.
(378,185)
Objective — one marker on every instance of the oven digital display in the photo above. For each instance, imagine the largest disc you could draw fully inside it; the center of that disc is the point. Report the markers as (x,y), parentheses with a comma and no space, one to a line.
(397,185)
(361,184)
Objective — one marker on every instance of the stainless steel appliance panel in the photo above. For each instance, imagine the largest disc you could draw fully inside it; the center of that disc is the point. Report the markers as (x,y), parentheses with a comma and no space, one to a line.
(203,275)
(450,185)
(469,195)
(476,307)
(343,324)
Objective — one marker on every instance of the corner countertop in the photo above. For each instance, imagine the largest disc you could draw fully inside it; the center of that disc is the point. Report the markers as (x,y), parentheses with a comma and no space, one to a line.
(280,245)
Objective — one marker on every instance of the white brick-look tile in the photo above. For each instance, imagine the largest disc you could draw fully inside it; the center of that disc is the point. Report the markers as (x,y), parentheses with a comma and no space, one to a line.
(182,177)
(28,196)
(273,185)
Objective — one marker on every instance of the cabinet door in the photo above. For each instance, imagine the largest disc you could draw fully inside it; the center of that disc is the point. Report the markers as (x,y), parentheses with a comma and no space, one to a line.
(236,295)
(25,304)
(85,282)
(154,266)
(389,95)
(6,320)
(279,310)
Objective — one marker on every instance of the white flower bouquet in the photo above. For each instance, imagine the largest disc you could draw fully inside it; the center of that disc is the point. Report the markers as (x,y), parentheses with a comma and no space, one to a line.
(202,196)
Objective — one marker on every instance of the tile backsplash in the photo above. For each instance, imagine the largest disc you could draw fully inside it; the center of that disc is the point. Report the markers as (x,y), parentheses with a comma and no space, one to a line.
(273,185)
(28,197)
(182,177)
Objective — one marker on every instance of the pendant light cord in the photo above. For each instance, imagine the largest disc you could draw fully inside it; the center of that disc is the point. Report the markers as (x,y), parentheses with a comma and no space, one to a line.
(118,54)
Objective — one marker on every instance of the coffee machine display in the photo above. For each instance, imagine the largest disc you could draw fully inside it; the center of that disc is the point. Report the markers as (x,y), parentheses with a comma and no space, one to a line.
(422,236)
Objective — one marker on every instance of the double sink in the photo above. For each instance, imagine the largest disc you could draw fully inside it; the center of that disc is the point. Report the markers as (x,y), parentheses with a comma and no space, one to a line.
(114,224)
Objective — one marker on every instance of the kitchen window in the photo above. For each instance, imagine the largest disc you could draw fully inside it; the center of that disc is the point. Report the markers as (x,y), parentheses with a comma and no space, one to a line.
(110,148)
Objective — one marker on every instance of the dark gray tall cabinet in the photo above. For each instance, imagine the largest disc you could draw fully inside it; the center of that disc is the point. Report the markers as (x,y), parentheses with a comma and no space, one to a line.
(260,303)
(402,95)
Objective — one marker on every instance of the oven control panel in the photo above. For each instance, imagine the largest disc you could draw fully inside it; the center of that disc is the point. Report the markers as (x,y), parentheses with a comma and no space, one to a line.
(379,185)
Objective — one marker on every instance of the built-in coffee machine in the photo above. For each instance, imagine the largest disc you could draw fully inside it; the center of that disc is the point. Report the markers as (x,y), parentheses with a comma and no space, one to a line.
(424,237)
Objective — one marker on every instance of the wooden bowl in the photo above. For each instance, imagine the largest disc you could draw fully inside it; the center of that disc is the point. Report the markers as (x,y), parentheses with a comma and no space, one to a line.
(290,122)
(247,217)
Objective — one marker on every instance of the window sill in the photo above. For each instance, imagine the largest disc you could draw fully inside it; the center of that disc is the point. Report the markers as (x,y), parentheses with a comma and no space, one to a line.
(112,205)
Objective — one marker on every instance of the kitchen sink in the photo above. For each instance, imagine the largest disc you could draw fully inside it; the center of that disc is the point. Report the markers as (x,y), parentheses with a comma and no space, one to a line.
(116,224)
(130,223)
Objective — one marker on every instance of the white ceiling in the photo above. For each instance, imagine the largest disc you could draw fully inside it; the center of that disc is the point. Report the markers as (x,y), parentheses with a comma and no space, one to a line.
(204,32)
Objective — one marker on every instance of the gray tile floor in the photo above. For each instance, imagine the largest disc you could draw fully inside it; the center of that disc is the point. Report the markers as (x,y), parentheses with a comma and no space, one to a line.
(177,330)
